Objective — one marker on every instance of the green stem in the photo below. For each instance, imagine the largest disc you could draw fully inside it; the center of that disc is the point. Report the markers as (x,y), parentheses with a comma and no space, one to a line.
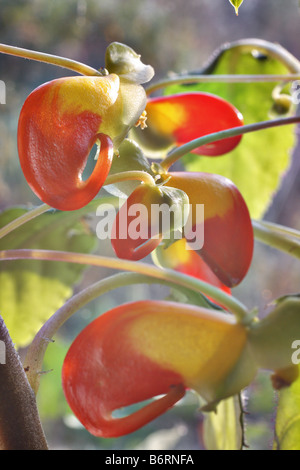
(50,59)
(280,229)
(128,176)
(112,179)
(179,152)
(228,301)
(245,45)
(34,359)
(276,239)
(23,219)
(276,51)
(237,78)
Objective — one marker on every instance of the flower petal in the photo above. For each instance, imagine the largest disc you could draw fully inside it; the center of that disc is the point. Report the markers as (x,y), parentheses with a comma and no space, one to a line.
(183,259)
(187,116)
(59,123)
(227,227)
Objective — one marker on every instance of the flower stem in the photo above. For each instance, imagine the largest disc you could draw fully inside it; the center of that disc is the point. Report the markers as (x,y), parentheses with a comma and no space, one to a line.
(23,219)
(130,175)
(50,59)
(228,301)
(112,179)
(277,240)
(30,215)
(34,359)
(280,229)
(274,50)
(237,78)
(245,45)
(179,152)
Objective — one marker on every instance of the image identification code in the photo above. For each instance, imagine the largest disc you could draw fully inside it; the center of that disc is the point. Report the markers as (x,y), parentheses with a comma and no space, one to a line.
(151,459)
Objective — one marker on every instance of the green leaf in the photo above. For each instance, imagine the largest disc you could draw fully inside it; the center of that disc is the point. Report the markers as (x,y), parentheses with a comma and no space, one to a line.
(236,4)
(258,163)
(288,418)
(270,339)
(31,291)
(51,401)
(222,430)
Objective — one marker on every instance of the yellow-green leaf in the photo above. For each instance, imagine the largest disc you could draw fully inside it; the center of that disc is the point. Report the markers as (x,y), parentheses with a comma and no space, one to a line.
(223,430)
(236,5)
(31,291)
(258,163)
(288,418)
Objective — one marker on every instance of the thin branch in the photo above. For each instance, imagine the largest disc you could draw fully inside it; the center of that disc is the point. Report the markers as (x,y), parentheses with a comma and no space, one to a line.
(277,240)
(50,59)
(23,219)
(142,176)
(182,150)
(228,301)
(237,78)
(34,359)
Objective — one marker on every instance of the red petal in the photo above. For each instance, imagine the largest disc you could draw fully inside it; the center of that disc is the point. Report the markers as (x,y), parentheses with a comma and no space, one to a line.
(54,145)
(103,372)
(228,233)
(187,116)
(144,349)
(179,257)
(134,236)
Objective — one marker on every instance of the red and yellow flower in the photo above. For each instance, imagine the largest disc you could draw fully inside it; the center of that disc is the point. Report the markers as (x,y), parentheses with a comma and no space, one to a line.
(61,120)
(228,235)
(145,349)
(159,349)
(177,119)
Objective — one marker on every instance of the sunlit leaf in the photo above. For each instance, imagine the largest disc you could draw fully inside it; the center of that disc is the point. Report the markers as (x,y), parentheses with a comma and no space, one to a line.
(236,5)
(288,418)
(222,430)
(257,165)
(31,291)
(50,397)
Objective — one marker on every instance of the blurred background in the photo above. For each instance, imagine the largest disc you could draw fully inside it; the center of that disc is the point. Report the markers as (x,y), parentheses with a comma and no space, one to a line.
(171,35)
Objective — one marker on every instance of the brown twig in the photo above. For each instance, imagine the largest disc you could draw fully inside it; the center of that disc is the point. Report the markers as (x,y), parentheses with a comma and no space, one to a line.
(20,426)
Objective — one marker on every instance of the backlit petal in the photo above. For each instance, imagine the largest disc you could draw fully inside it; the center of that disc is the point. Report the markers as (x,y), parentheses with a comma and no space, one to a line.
(187,116)
(144,349)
